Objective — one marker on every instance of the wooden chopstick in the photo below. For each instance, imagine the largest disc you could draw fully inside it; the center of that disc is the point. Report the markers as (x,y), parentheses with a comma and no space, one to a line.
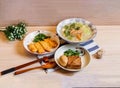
(20,66)
(25,70)
(47,65)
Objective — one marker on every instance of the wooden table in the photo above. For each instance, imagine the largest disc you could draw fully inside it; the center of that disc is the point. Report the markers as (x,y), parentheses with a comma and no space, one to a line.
(103,72)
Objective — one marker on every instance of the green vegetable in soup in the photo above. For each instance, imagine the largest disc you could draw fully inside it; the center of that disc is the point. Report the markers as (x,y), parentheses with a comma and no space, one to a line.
(69,27)
(87,33)
(72,25)
(67,32)
(77,31)
(66,27)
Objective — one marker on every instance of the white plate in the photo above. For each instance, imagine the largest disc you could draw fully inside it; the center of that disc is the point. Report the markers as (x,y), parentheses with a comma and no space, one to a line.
(29,38)
(60,51)
(73,20)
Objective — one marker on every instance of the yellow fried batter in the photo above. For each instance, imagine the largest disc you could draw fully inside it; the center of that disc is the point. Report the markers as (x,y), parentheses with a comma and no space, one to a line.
(32,48)
(51,42)
(40,49)
(45,45)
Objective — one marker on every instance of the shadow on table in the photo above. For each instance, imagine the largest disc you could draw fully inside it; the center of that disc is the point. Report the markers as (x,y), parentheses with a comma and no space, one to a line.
(64,72)
(21,51)
(3,37)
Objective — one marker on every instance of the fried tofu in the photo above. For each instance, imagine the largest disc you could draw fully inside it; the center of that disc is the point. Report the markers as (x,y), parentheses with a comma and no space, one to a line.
(40,49)
(32,48)
(71,59)
(51,42)
(74,62)
(45,45)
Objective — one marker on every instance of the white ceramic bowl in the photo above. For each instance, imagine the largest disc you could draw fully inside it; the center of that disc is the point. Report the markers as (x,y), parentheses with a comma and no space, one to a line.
(60,51)
(29,38)
(74,20)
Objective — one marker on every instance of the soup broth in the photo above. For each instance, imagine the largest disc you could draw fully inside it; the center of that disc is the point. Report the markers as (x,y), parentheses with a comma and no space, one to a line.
(77,32)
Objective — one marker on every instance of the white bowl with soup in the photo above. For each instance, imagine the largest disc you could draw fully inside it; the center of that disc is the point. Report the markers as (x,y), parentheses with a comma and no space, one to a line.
(76,30)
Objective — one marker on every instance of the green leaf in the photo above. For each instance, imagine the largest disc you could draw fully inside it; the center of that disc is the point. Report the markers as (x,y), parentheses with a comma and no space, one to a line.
(13,32)
(70,52)
(40,37)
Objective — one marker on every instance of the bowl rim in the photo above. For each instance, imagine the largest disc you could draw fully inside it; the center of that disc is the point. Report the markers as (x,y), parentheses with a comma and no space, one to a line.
(82,20)
(67,69)
(41,31)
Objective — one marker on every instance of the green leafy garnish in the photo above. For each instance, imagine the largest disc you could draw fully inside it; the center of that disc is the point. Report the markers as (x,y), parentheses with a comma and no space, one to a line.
(72,25)
(77,28)
(40,37)
(14,32)
(67,32)
(69,27)
(66,26)
(70,52)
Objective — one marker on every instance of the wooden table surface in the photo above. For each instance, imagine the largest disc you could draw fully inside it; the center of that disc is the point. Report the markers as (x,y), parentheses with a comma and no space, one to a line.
(104,72)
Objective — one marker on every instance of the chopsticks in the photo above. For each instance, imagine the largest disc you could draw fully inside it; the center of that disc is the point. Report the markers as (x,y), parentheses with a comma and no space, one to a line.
(47,65)
(21,66)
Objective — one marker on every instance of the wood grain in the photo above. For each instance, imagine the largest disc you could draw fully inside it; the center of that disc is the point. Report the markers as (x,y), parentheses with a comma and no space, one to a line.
(99,73)
(50,12)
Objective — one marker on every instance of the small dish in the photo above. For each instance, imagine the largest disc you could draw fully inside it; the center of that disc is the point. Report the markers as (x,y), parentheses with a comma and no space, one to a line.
(30,37)
(85,59)
(73,38)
